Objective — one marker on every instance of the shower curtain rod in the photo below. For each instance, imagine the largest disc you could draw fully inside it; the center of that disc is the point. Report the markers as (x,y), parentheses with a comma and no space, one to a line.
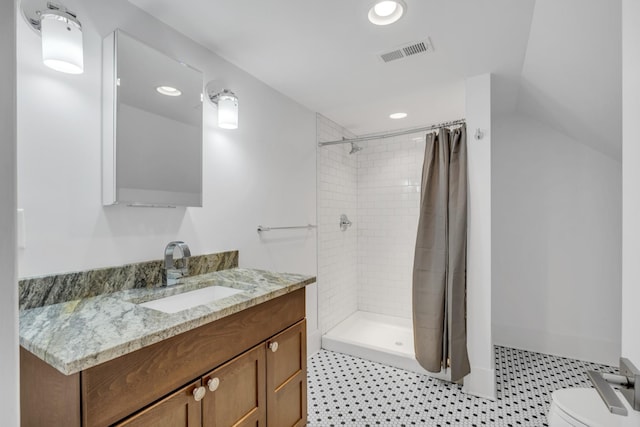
(392,134)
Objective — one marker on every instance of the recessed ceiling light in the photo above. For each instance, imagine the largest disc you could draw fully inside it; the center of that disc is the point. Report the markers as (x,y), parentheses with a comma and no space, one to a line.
(168,90)
(386,12)
(398,115)
(385,8)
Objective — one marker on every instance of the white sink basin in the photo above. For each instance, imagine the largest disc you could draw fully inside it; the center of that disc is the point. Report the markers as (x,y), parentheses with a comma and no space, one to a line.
(179,302)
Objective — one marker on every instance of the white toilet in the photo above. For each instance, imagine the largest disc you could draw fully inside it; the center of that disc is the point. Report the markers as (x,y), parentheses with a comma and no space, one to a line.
(584,407)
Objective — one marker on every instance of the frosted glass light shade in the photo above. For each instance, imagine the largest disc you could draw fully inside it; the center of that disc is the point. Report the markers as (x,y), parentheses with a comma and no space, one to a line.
(228,111)
(61,43)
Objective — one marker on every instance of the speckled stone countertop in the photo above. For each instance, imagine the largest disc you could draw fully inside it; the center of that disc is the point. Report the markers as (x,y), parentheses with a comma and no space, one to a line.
(76,335)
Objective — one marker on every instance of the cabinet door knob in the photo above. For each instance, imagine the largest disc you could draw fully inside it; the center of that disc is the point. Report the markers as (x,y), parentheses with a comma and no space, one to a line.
(273,346)
(198,393)
(213,383)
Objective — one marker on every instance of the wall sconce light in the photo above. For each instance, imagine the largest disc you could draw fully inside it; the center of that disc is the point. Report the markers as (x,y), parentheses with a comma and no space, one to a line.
(227,103)
(61,34)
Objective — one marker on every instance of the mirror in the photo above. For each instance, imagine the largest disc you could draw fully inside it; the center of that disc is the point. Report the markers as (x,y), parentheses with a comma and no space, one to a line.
(152,126)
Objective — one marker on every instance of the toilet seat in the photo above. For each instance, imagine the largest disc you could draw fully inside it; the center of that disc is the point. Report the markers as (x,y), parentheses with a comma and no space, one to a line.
(558,418)
(582,407)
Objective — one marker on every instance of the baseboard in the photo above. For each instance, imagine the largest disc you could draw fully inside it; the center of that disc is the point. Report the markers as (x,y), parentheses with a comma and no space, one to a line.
(314,339)
(574,347)
(481,382)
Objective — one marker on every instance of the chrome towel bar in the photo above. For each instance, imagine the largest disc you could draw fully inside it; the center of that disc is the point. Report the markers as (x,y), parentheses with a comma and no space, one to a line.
(628,383)
(262,228)
(609,397)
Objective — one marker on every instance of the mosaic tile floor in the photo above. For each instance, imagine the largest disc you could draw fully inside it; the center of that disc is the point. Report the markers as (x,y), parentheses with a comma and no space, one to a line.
(348,391)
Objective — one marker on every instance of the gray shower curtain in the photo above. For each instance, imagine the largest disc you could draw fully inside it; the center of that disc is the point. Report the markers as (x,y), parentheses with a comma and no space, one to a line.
(439,268)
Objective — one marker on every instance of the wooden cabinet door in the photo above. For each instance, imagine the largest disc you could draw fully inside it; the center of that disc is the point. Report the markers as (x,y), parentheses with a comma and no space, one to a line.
(236,392)
(287,377)
(176,410)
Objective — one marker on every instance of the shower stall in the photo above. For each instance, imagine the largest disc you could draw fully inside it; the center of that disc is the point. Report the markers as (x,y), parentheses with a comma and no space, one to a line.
(365,270)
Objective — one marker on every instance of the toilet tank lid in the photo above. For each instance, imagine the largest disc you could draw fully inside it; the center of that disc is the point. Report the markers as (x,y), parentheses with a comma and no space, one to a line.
(586,406)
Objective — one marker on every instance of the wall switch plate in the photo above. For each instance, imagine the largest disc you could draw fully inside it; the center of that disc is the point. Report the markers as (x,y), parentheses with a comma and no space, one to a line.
(21,230)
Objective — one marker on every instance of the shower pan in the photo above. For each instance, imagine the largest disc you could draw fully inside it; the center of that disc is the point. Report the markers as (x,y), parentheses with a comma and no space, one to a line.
(379,338)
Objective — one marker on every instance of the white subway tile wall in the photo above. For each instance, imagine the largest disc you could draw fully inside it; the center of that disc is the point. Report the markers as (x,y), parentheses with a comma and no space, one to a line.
(388,193)
(369,266)
(337,250)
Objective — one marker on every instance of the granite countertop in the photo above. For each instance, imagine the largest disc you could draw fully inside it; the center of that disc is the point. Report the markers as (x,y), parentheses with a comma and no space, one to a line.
(77,335)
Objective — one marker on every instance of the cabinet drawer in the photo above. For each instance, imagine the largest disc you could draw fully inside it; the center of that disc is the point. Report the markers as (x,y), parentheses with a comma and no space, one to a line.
(115,389)
(180,409)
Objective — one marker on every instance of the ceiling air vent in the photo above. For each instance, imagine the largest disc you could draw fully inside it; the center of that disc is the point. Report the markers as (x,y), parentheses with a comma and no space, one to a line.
(409,49)
(415,49)
(392,56)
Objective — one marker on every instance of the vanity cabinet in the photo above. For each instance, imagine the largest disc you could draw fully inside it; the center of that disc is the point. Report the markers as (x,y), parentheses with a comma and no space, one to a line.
(246,369)
(264,386)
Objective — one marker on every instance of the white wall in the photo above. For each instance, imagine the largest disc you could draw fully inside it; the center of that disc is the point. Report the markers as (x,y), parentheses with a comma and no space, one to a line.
(566,86)
(337,249)
(262,173)
(481,380)
(9,397)
(389,179)
(556,243)
(631,181)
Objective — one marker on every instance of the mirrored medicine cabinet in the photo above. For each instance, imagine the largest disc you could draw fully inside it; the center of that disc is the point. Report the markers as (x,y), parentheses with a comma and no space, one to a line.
(152,126)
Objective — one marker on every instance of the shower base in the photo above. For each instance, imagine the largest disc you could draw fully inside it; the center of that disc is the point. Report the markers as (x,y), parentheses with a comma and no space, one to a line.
(379,338)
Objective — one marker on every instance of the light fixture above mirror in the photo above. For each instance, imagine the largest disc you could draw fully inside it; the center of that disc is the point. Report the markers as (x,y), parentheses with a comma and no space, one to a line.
(61,32)
(227,103)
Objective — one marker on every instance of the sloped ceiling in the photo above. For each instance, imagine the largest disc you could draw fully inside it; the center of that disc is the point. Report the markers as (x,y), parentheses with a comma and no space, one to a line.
(556,61)
(572,72)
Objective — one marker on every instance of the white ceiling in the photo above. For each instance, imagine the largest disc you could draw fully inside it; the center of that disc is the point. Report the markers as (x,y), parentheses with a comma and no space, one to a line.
(323,54)
(558,61)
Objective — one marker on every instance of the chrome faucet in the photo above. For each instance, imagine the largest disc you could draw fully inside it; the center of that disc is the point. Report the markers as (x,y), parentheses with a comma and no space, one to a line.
(172,274)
